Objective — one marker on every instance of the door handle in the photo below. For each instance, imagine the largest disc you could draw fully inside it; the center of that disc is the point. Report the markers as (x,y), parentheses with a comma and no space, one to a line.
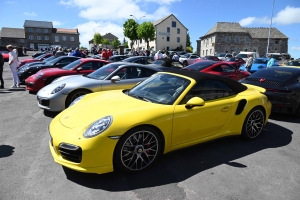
(225,109)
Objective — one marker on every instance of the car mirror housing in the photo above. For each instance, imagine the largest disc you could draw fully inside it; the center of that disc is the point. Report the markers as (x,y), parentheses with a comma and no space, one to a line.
(195,101)
(115,78)
(79,69)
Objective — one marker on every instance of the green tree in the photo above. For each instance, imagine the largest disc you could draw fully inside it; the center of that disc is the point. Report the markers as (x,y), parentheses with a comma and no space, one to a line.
(188,40)
(115,43)
(189,49)
(130,30)
(146,31)
(106,42)
(97,39)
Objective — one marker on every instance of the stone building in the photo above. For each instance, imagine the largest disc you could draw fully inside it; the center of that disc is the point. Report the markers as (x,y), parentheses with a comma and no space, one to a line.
(14,36)
(228,37)
(66,38)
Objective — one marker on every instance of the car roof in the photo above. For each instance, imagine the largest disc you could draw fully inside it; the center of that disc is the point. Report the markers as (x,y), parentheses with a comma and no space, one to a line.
(200,76)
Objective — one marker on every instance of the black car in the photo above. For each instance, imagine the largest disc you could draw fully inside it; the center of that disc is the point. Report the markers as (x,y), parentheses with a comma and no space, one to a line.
(282,86)
(58,62)
(139,59)
(167,62)
(117,58)
(37,54)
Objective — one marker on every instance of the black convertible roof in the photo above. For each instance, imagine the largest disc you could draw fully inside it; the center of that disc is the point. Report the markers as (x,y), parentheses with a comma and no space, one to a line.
(200,76)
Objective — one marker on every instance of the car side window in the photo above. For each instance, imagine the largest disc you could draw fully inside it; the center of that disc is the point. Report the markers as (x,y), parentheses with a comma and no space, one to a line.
(208,90)
(149,61)
(87,66)
(227,68)
(131,73)
(143,73)
(141,61)
(217,68)
(97,65)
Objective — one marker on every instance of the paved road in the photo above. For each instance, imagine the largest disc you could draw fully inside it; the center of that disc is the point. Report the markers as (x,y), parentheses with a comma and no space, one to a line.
(230,168)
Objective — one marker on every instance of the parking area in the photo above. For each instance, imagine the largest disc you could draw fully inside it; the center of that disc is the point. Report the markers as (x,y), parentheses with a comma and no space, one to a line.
(228,168)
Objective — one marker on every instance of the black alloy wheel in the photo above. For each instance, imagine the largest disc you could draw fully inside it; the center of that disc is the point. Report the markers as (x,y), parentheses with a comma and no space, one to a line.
(253,124)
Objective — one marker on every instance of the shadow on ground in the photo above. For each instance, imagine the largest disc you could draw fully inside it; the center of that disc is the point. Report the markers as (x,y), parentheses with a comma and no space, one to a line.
(6,150)
(182,164)
(285,118)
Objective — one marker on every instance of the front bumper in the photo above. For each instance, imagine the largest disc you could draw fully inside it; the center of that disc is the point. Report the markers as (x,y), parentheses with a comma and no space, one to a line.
(51,102)
(34,85)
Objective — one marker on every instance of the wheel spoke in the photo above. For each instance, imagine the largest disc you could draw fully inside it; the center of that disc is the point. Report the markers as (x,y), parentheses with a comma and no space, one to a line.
(255,124)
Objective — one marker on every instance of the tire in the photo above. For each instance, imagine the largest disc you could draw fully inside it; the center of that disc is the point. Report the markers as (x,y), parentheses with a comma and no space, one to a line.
(137,150)
(49,80)
(75,94)
(253,124)
(185,64)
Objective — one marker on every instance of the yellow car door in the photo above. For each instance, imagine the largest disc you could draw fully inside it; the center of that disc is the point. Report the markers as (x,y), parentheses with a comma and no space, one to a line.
(202,121)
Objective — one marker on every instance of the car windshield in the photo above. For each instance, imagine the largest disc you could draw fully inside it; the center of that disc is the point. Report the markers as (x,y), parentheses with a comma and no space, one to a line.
(293,63)
(242,55)
(199,66)
(48,59)
(39,57)
(260,61)
(221,55)
(52,62)
(72,65)
(131,59)
(104,71)
(160,88)
(187,55)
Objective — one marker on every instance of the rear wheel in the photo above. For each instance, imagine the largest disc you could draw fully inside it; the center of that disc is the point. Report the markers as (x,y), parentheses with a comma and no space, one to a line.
(75,94)
(253,124)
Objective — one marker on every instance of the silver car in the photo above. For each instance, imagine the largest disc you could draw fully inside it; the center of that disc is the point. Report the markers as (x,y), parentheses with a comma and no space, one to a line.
(63,91)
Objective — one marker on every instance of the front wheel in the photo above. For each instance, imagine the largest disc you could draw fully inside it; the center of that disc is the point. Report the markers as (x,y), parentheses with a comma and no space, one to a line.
(185,63)
(74,95)
(253,124)
(137,149)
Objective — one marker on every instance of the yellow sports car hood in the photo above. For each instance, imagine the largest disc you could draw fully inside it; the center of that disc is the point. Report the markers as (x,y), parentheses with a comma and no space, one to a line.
(100,104)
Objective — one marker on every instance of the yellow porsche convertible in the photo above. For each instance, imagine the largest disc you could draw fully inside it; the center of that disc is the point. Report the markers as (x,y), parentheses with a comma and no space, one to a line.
(130,129)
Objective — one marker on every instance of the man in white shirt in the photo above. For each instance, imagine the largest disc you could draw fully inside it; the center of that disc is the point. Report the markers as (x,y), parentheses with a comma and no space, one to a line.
(249,62)
(13,64)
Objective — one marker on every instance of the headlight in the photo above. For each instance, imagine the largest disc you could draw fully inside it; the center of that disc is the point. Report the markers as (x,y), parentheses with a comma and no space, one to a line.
(76,100)
(98,127)
(59,88)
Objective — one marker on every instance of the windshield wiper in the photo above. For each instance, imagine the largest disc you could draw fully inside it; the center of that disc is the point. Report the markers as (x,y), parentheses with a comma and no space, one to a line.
(138,97)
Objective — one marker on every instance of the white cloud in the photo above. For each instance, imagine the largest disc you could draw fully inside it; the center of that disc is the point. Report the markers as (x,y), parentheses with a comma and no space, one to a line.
(32,14)
(295,48)
(56,23)
(162,1)
(289,15)
(86,30)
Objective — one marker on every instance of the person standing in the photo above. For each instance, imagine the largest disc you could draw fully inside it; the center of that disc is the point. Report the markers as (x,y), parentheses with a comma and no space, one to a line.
(109,54)
(249,62)
(59,52)
(1,71)
(104,54)
(271,61)
(175,56)
(13,64)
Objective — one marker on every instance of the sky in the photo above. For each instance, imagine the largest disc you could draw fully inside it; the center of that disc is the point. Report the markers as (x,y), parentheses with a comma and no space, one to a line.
(108,16)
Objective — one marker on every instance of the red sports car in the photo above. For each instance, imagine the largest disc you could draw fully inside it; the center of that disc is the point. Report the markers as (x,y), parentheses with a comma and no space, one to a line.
(227,69)
(37,59)
(5,55)
(45,76)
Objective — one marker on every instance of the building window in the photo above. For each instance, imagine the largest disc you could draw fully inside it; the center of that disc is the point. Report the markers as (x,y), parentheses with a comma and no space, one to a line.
(210,52)
(168,29)
(31,37)
(64,38)
(237,39)
(178,39)
(45,30)
(46,37)
(22,40)
(276,41)
(72,39)
(168,48)
(246,39)
(141,41)
(227,39)
(173,24)
(38,30)
(30,30)
(178,31)
(56,38)
(39,37)
(168,39)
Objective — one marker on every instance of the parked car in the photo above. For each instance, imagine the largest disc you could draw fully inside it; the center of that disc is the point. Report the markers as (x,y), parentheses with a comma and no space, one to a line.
(118,75)
(117,58)
(295,63)
(218,68)
(188,58)
(244,55)
(258,64)
(167,62)
(129,129)
(215,58)
(282,87)
(46,76)
(140,59)
(55,63)
(36,59)
(5,55)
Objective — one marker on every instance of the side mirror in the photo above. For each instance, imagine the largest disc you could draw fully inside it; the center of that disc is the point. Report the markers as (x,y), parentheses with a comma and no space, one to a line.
(79,69)
(115,78)
(195,101)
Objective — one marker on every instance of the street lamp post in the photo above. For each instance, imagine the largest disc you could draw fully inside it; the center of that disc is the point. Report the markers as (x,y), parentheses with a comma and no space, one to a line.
(270,28)
(137,21)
